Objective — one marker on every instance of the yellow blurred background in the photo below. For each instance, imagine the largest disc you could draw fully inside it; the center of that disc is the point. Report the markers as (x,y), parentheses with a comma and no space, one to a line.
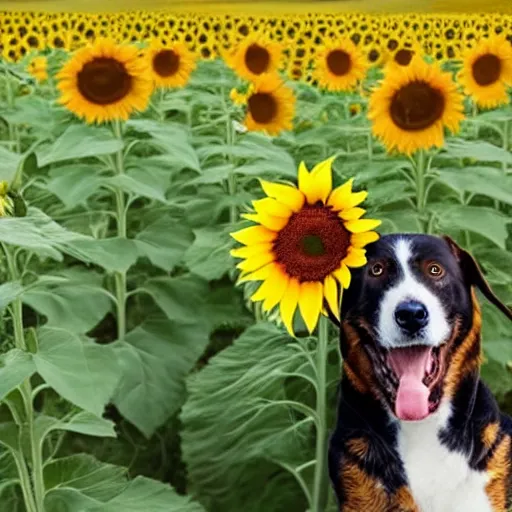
(264,7)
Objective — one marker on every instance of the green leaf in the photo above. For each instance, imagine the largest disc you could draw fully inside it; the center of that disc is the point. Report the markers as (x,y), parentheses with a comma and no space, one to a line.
(15,367)
(137,186)
(74,184)
(79,141)
(9,163)
(485,221)
(486,181)
(214,174)
(156,357)
(72,306)
(209,257)
(82,372)
(477,150)
(9,436)
(242,391)
(112,254)
(9,292)
(164,242)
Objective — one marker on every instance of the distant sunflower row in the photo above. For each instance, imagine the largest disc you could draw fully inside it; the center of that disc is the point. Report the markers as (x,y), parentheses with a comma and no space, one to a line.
(379,37)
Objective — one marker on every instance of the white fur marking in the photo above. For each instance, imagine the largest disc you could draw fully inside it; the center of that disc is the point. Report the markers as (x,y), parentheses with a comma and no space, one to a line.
(440,480)
(390,335)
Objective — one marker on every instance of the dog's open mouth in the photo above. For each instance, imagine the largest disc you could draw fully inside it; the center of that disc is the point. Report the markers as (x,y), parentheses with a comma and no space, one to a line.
(411,378)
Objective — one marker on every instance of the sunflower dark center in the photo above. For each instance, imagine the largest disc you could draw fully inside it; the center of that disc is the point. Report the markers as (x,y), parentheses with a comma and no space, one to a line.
(416,106)
(263,107)
(487,69)
(313,243)
(404,56)
(257,59)
(166,63)
(104,81)
(339,62)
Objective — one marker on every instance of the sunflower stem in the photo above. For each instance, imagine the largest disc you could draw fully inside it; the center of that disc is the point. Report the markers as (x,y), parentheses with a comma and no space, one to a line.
(420,185)
(120,277)
(33,493)
(320,488)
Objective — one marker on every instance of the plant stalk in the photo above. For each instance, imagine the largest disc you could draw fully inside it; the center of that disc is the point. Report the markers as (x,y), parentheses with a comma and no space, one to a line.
(120,277)
(420,186)
(320,483)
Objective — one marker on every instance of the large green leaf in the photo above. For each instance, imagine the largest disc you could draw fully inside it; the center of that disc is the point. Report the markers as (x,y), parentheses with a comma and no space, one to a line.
(156,357)
(486,181)
(82,372)
(486,222)
(15,367)
(75,307)
(8,292)
(79,141)
(9,163)
(164,242)
(138,186)
(209,256)
(240,394)
(475,149)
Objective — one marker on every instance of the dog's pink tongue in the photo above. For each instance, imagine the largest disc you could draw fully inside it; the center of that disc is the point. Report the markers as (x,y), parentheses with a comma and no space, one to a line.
(410,365)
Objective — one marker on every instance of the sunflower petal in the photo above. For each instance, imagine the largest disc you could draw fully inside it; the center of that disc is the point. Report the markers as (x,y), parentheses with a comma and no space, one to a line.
(352,214)
(355,258)
(310,303)
(358,197)
(254,235)
(343,276)
(319,183)
(250,250)
(266,220)
(331,295)
(272,207)
(340,196)
(285,194)
(255,262)
(278,281)
(361,225)
(259,275)
(359,240)
(289,304)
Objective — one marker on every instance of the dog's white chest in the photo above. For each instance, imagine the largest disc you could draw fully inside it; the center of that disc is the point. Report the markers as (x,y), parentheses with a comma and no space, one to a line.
(440,480)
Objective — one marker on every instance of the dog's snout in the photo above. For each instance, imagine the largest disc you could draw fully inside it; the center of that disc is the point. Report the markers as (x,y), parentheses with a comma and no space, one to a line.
(411,316)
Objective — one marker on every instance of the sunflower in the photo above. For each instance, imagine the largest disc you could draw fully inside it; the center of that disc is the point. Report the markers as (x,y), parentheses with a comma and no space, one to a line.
(413,104)
(270,105)
(105,81)
(38,68)
(487,72)
(6,202)
(339,66)
(171,64)
(255,56)
(304,242)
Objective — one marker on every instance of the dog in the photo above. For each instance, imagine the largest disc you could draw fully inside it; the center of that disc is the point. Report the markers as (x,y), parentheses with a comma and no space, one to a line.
(417,430)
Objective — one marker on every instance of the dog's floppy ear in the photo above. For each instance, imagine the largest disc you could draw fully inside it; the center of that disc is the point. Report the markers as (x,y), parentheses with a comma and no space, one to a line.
(473,273)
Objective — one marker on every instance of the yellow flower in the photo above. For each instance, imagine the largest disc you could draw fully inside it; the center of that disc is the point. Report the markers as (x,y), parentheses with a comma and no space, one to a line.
(105,81)
(38,68)
(171,64)
(237,97)
(413,105)
(355,109)
(270,105)
(255,56)
(6,203)
(304,242)
(339,66)
(487,72)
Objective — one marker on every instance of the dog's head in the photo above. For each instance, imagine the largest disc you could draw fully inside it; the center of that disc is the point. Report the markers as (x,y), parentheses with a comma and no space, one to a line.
(411,324)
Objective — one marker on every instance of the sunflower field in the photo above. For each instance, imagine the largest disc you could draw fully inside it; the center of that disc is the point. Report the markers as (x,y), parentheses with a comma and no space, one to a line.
(182,200)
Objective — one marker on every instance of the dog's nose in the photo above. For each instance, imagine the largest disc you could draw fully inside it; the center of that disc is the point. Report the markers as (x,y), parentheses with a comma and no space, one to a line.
(411,316)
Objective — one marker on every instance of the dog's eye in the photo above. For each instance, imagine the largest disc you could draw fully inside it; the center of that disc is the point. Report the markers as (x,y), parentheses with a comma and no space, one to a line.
(377,269)
(435,270)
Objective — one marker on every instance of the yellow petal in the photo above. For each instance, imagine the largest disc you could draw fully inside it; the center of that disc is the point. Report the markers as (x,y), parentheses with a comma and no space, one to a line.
(259,275)
(357,197)
(289,304)
(285,194)
(340,196)
(320,182)
(331,295)
(303,179)
(272,207)
(355,258)
(255,262)
(254,235)
(250,250)
(278,280)
(361,239)
(361,225)
(266,220)
(352,214)
(343,276)
(310,303)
